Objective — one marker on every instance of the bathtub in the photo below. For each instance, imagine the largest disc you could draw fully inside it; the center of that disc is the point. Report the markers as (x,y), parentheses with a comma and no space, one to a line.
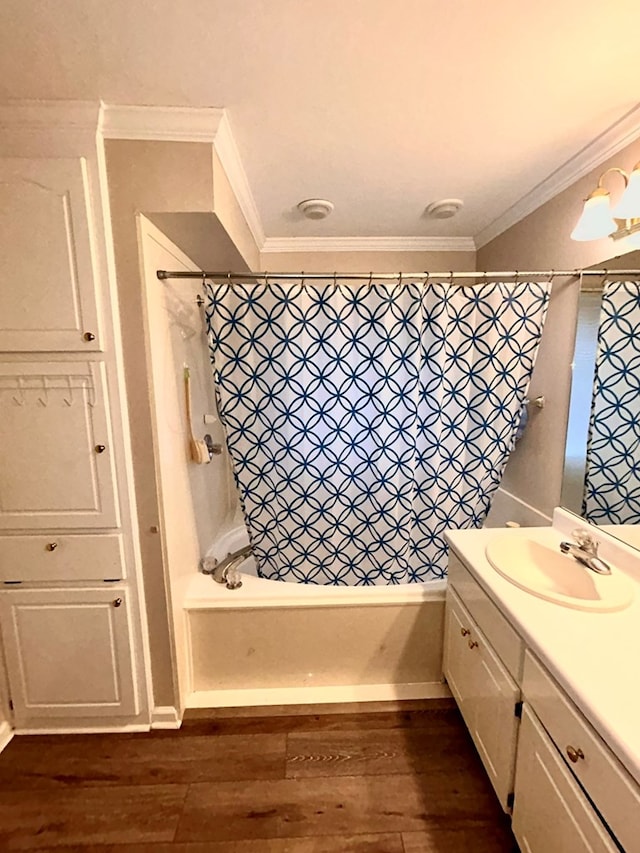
(271,643)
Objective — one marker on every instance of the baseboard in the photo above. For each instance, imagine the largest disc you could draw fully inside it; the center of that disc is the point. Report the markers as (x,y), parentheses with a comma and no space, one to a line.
(83,730)
(6,733)
(316,695)
(165,717)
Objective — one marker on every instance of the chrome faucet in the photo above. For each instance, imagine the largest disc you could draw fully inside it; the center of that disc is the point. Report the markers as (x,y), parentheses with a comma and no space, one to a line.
(585,551)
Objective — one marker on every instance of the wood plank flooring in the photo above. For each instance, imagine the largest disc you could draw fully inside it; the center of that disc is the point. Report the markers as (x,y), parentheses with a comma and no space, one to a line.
(354,779)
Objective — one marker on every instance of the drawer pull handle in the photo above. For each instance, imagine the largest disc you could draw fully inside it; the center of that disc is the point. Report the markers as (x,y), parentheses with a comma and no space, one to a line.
(100,448)
(473,644)
(117,602)
(51,546)
(89,336)
(465,632)
(574,754)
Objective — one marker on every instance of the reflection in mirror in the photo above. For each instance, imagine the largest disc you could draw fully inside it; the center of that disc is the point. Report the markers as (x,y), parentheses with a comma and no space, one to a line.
(602,459)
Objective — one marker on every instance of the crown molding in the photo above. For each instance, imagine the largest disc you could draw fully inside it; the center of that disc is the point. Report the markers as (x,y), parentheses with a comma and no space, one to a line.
(369,244)
(227,150)
(162,124)
(620,134)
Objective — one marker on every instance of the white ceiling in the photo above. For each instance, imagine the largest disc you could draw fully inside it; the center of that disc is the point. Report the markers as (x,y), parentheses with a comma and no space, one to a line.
(381,106)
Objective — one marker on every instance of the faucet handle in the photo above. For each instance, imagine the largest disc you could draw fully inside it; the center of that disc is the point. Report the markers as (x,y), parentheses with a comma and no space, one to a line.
(585,540)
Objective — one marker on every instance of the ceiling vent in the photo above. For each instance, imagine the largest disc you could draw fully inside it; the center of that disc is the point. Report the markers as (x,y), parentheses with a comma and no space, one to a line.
(444,209)
(315,208)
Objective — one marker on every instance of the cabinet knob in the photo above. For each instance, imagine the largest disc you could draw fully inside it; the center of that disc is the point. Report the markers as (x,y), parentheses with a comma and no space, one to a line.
(51,546)
(117,602)
(473,644)
(100,448)
(465,632)
(89,336)
(574,754)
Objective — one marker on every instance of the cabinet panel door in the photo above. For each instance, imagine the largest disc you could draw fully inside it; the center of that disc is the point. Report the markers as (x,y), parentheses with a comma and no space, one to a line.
(458,664)
(68,653)
(48,288)
(550,812)
(495,725)
(486,695)
(53,425)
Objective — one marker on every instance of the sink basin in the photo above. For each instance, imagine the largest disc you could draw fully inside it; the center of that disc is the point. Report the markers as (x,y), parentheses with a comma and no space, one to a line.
(547,573)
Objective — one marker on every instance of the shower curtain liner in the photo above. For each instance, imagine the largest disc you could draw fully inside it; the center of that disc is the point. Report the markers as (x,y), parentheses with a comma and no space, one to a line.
(612,483)
(364,421)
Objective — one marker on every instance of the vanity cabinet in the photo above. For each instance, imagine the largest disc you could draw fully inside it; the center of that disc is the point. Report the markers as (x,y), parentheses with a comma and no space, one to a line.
(566,789)
(68,653)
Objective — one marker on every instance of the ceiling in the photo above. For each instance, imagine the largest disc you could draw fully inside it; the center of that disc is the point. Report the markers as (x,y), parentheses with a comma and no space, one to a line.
(380,106)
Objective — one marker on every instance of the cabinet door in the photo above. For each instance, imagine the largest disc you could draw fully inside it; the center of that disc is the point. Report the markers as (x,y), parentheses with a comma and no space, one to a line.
(48,290)
(550,812)
(459,664)
(58,467)
(485,693)
(68,654)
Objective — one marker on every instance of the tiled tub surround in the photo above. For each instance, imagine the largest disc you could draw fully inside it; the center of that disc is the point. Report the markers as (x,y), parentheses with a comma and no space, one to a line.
(591,656)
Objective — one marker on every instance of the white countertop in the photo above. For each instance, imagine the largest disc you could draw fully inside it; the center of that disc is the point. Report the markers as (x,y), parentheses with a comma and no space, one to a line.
(594,656)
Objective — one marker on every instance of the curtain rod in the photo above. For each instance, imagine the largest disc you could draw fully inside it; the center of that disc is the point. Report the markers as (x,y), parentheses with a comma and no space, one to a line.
(242,276)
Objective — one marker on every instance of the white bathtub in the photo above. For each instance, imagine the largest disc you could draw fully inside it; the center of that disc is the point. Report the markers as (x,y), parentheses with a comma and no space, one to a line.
(270,642)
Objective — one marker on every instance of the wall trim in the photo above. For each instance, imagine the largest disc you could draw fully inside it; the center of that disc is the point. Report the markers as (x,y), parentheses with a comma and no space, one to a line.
(84,730)
(165,717)
(162,124)
(227,150)
(620,134)
(317,695)
(369,244)
(6,734)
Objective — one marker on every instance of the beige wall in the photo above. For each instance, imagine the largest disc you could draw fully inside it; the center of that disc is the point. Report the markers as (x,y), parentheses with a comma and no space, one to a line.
(541,241)
(153,177)
(367,261)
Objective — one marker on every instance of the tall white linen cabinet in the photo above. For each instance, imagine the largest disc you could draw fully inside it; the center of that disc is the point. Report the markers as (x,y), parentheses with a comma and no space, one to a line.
(72,621)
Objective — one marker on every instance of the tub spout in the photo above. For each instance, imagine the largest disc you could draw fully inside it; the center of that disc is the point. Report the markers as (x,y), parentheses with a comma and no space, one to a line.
(226,571)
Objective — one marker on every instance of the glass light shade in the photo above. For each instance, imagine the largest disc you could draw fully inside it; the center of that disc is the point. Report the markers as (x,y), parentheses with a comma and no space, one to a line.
(629,205)
(596,220)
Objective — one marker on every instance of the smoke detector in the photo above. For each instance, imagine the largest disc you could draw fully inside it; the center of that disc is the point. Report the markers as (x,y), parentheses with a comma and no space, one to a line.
(444,209)
(315,208)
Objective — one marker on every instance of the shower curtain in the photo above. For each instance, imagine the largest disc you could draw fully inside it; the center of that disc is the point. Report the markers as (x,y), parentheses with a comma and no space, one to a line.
(365,421)
(612,483)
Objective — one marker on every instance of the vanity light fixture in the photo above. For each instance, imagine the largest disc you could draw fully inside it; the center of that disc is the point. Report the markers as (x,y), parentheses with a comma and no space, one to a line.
(599,219)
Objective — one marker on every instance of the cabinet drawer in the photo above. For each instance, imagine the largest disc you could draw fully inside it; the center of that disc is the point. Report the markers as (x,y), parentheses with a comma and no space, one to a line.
(494,626)
(613,791)
(65,557)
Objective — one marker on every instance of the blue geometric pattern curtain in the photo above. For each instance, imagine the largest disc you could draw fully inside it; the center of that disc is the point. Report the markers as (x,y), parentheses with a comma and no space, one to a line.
(612,485)
(363,422)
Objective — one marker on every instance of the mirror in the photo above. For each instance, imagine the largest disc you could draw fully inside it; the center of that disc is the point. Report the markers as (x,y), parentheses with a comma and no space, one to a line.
(601,478)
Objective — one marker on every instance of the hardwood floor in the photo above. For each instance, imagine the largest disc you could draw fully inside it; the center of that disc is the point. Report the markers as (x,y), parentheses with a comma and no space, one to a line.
(351,779)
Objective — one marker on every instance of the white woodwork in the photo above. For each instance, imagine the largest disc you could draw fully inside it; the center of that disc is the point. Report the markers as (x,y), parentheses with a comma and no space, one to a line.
(598,771)
(62,557)
(52,418)
(551,814)
(486,693)
(498,631)
(48,278)
(68,653)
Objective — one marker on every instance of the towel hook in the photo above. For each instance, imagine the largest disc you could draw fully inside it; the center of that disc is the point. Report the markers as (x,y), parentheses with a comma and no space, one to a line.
(451,277)
(370,278)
